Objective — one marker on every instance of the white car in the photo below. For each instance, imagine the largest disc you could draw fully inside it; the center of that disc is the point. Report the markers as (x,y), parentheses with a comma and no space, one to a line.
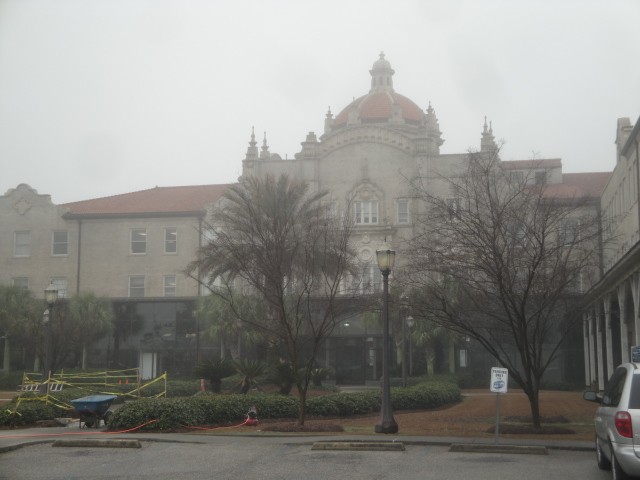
(617,422)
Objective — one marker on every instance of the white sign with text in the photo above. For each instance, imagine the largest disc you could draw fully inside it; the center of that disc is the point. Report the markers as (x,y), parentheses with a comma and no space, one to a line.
(499,380)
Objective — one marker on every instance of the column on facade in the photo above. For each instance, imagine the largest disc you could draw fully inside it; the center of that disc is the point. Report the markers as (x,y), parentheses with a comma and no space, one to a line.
(586,342)
(592,349)
(599,349)
(608,332)
(624,332)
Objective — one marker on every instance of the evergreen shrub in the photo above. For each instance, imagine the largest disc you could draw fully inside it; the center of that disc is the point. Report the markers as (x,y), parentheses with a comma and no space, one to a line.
(207,409)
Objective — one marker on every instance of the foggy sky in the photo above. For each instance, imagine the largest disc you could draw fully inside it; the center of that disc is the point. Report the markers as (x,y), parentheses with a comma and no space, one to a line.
(102,97)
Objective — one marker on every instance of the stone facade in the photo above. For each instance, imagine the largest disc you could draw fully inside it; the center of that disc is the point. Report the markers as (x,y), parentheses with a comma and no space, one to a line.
(612,313)
(368,157)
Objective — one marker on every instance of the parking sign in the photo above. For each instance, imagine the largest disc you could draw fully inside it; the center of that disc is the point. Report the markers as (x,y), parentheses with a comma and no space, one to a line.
(499,380)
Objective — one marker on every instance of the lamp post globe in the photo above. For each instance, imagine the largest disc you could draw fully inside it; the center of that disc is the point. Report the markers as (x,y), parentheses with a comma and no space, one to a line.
(386,423)
(51,295)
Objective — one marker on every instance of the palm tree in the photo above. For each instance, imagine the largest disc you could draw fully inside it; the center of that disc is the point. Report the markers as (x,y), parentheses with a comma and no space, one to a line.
(225,324)
(93,318)
(215,371)
(249,371)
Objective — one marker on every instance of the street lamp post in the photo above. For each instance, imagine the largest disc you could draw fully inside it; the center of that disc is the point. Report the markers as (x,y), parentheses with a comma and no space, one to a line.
(386,423)
(50,297)
(404,352)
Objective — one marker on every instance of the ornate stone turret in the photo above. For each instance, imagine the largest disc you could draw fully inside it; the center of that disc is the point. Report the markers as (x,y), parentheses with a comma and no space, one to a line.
(433,136)
(252,151)
(487,142)
(309,147)
(328,121)
(264,151)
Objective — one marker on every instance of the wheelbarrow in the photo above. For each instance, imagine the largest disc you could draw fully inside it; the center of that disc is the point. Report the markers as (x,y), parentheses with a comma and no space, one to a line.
(93,408)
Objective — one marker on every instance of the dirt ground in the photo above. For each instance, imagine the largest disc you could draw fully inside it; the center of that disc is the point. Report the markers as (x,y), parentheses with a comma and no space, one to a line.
(475,416)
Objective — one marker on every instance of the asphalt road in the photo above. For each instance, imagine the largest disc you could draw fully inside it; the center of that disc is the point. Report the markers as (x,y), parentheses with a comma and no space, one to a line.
(249,458)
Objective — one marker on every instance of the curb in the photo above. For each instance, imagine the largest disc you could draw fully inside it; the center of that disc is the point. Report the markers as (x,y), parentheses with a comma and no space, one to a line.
(95,442)
(487,448)
(360,446)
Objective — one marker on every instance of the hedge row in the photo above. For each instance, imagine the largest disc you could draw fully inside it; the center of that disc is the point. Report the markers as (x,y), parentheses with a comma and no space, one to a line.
(28,413)
(175,413)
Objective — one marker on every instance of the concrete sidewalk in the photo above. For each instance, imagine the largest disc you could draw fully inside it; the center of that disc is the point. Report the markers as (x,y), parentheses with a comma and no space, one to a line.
(13,439)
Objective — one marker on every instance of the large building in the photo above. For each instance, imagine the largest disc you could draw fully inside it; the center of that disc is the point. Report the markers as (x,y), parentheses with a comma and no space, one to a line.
(133,248)
(612,314)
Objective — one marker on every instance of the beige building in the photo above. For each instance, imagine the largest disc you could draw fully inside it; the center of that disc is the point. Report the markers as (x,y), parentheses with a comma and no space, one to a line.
(612,316)
(134,247)
(126,246)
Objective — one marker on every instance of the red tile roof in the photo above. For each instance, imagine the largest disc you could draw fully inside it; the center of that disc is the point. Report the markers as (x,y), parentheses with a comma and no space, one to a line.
(378,106)
(158,200)
(542,163)
(579,185)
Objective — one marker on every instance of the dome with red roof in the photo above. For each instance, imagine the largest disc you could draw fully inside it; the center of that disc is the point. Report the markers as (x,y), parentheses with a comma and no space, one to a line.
(382,104)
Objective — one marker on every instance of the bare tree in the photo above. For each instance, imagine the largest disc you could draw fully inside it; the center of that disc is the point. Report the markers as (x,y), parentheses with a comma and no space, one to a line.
(277,238)
(498,258)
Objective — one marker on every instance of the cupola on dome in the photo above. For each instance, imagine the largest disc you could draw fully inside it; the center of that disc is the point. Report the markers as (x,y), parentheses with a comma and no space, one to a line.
(382,104)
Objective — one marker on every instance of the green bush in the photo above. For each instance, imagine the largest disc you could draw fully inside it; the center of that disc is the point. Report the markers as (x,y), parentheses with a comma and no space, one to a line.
(425,395)
(344,404)
(28,413)
(213,409)
(205,408)
(208,409)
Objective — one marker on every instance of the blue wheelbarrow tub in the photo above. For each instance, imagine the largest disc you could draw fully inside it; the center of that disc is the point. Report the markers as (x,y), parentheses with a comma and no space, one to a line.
(93,404)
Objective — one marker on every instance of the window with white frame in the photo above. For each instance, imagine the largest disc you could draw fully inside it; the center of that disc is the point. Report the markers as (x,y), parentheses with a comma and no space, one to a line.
(60,243)
(366,213)
(541,177)
(61,284)
(136,286)
(138,241)
(403,210)
(169,285)
(170,240)
(22,244)
(22,282)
